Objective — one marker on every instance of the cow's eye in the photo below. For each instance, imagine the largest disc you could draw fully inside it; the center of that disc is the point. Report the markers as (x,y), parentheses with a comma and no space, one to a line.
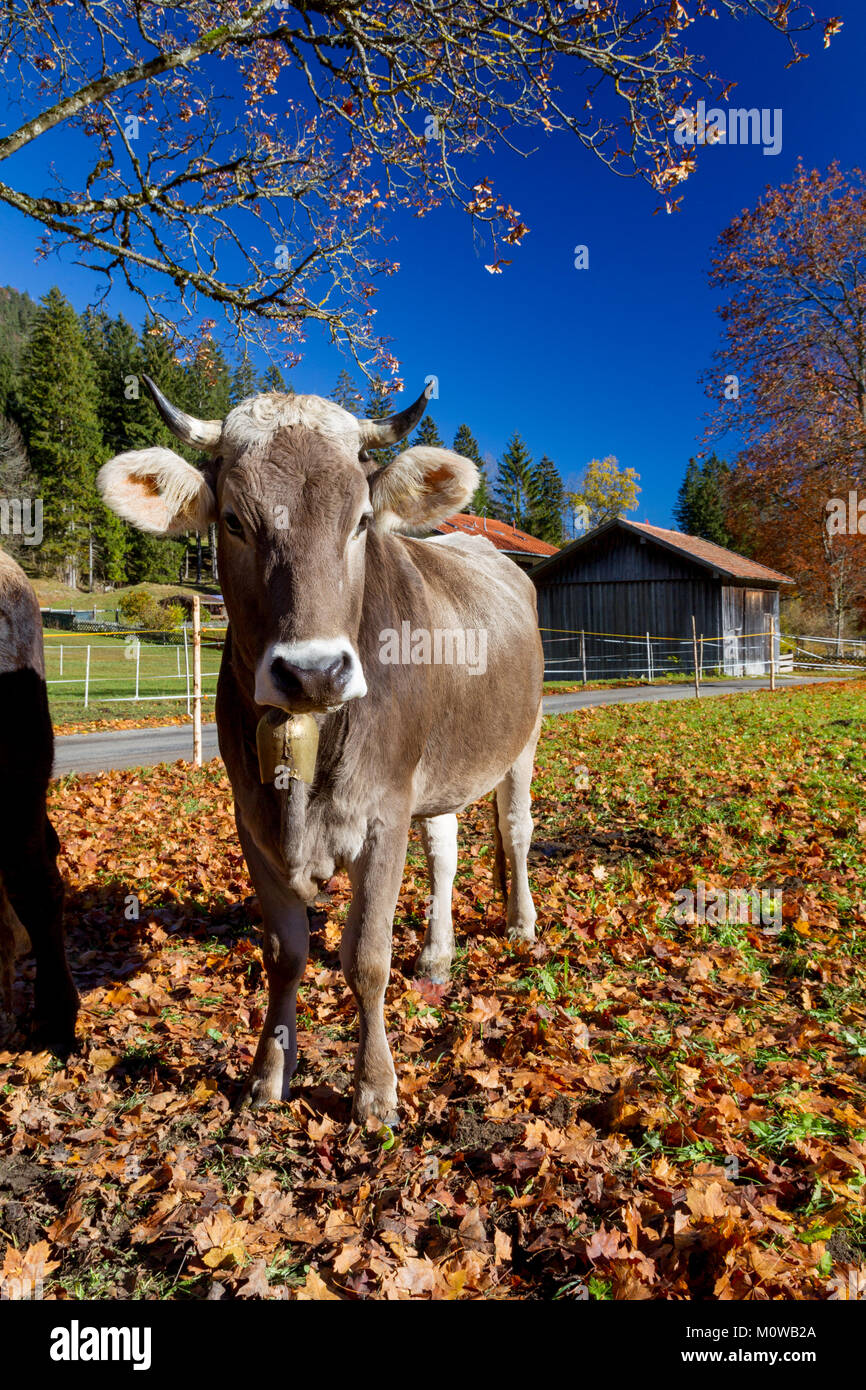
(232,524)
(363,523)
(363,456)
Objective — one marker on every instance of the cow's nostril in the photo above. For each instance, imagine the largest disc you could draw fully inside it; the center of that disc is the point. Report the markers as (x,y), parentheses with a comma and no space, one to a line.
(287,678)
(339,670)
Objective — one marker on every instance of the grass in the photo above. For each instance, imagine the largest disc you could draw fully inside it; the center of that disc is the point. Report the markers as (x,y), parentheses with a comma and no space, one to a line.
(53,594)
(566,687)
(162,671)
(112,662)
(722,763)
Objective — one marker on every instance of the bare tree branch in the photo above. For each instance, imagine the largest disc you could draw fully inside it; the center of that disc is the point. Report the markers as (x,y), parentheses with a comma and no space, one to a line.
(247,156)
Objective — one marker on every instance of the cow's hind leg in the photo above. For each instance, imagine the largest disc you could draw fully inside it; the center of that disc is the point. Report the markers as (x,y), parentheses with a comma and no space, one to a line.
(439,838)
(514,824)
(286,941)
(365,952)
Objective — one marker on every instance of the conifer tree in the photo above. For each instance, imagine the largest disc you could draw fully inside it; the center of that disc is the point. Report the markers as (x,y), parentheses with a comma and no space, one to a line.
(514,483)
(683,508)
(243,380)
(129,421)
(346,393)
(115,351)
(465,444)
(701,501)
(547,499)
(60,407)
(17,316)
(428,434)
(208,386)
(208,382)
(18,483)
(379,403)
(272,380)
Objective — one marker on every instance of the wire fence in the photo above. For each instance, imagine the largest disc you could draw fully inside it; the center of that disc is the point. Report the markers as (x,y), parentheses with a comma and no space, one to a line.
(584,656)
(132,665)
(840,653)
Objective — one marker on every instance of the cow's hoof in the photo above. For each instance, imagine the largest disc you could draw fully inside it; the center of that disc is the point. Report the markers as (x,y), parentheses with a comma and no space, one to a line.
(55,1011)
(436,969)
(54,1033)
(270,1078)
(368,1103)
(391,1121)
(521,935)
(257,1094)
(62,1045)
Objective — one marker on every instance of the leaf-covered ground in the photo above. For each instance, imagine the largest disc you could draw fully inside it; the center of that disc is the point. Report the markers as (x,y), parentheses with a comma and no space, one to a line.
(633,1109)
(134,721)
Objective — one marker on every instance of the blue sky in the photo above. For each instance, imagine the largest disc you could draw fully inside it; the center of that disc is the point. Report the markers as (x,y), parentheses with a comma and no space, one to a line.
(581,363)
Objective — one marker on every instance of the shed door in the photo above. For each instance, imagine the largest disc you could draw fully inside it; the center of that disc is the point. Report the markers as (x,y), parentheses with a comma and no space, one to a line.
(757,627)
(732,629)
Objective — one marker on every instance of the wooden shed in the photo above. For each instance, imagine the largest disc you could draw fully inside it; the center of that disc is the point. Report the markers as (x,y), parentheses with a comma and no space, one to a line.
(629,580)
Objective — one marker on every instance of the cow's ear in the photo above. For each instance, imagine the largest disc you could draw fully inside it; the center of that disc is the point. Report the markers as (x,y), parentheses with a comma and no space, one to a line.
(156,490)
(420,488)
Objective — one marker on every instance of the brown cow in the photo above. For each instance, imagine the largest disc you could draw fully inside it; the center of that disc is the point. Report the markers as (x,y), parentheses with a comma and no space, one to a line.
(31,890)
(416,663)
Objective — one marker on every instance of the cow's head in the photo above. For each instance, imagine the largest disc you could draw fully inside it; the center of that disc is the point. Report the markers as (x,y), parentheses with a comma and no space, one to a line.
(293,491)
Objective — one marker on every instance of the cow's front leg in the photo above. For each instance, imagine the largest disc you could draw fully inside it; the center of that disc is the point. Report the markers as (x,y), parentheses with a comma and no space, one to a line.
(35,891)
(365,952)
(285,948)
(439,838)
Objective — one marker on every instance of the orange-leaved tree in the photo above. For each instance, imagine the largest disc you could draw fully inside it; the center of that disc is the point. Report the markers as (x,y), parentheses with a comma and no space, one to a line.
(789,378)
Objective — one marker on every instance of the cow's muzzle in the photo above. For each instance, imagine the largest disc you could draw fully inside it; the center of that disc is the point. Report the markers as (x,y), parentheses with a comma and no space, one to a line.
(315,675)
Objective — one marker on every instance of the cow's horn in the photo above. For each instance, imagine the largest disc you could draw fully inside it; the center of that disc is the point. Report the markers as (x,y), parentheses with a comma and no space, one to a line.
(201,434)
(394,427)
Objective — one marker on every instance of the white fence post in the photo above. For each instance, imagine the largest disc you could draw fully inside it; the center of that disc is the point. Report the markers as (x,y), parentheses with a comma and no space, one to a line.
(186,659)
(87,679)
(583,653)
(61,658)
(196,680)
(137,663)
(695,657)
(649,658)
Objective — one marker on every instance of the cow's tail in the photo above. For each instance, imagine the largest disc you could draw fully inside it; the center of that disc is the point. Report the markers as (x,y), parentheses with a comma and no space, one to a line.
(500,880)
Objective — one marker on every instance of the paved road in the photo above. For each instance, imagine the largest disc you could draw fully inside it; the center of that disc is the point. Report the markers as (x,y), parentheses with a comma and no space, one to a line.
(114,749)
(123,748)
(626,695)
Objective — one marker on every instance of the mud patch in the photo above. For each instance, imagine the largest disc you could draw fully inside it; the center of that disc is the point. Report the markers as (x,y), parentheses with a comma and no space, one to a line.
(30,1198)
(610,846)
(17,1174)
(843,1248)
(473,1134)
(559,1112)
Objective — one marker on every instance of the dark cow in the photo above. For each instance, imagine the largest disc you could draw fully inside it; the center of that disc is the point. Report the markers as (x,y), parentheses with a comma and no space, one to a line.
(403,678)
(31,890)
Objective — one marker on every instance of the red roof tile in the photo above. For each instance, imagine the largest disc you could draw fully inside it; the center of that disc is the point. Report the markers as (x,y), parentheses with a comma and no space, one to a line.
(503,536)
(726,560)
